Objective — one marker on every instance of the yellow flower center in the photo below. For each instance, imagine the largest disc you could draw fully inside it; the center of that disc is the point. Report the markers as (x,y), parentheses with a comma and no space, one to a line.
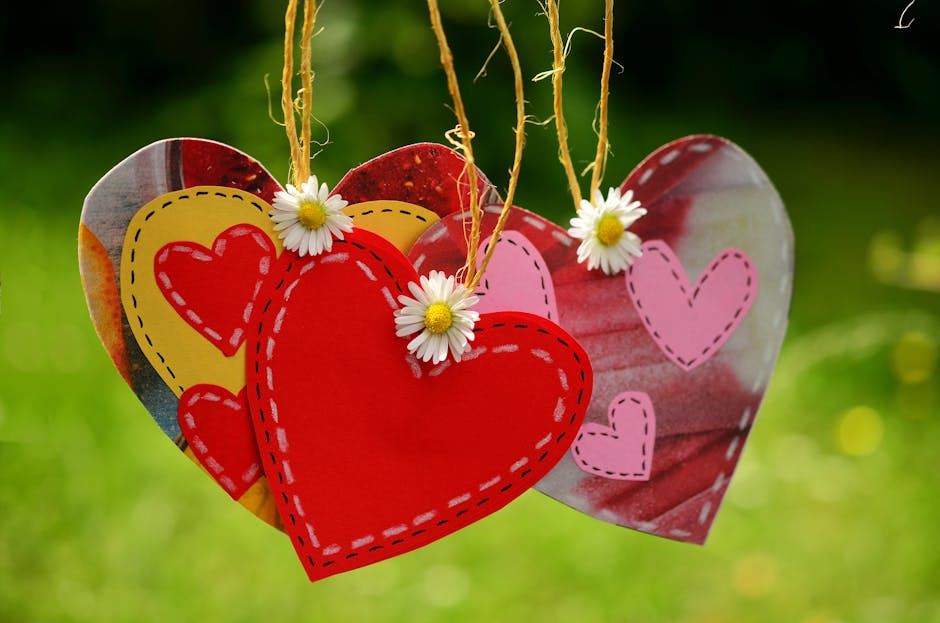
(438,318)
(609,230)
(312,214)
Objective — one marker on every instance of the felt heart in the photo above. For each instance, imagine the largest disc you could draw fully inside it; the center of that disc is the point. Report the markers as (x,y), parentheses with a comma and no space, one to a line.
(213,289)
(193,190)
(691,323)
(624,449)
(218,428)
(703,195)
(371,453)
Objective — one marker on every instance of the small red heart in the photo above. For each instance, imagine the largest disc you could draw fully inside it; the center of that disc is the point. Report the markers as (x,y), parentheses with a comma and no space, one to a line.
(371,453)
(218,428)
(213,289)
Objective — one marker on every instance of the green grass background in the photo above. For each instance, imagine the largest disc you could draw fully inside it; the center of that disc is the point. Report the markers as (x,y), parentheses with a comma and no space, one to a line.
(833,514)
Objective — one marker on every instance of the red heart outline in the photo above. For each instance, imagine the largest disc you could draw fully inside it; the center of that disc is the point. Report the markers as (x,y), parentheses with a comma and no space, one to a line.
(369,469)
(213,290)
(217,426)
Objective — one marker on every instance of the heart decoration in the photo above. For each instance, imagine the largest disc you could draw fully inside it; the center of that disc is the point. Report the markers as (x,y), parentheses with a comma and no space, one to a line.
(388,456)
(201,194)
(198,282)
(707,202)
(371,453)
(522,280)
(691,323)
(218,428)
(623,450)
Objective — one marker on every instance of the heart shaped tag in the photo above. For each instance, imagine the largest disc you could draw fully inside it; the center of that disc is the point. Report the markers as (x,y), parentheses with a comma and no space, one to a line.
(371,453)
(705,197)
(157,251)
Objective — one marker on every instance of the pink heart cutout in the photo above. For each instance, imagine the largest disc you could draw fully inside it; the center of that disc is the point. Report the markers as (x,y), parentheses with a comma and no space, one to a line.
(623,450)
(516,278)
(690,323)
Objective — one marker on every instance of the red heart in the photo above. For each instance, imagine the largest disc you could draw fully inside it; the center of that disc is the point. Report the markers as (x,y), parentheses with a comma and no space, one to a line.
(371,453)
(218,428)
(213,290)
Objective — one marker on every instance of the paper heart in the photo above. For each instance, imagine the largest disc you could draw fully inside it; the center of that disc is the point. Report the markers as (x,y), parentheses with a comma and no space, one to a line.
(213,289)
(517,278)
(690,323)
(703,195)
(212,187)
(623,450)
(371,453)
(428,175)
(218,428)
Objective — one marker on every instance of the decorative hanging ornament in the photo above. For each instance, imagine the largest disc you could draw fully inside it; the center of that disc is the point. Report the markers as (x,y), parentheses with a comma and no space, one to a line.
(220,295)
(681,366)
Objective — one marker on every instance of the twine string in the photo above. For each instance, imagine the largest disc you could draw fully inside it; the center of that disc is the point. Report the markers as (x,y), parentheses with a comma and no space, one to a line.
(302,101)
(603,146)
(561,128)
(464,139)
(519,130)
(306,77)
(560,51)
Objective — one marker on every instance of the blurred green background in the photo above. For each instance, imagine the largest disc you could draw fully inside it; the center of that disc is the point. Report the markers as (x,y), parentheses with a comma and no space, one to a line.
(833,515)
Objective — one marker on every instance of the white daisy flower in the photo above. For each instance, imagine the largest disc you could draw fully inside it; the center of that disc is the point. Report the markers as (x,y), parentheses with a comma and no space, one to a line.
(602,229)
(440,310)
(309,218)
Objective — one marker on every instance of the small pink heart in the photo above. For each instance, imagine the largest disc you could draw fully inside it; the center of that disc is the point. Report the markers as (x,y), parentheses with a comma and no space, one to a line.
(623,450)
(690,323)
(517,279)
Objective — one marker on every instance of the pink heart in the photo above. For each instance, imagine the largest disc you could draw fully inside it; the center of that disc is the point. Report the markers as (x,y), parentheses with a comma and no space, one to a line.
(517,278)
(691,323)
(703,194)
(623,450)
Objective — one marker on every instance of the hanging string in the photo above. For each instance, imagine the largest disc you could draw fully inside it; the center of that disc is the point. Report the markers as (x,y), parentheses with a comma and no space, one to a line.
(472,275)
(603,147)
(561,128)
(299,144)
(463,141)
(306,77)
(599,165)
(520,140)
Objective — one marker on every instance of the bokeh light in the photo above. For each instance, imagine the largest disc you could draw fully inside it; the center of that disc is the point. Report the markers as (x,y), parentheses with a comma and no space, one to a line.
(914,358)
(859,431)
